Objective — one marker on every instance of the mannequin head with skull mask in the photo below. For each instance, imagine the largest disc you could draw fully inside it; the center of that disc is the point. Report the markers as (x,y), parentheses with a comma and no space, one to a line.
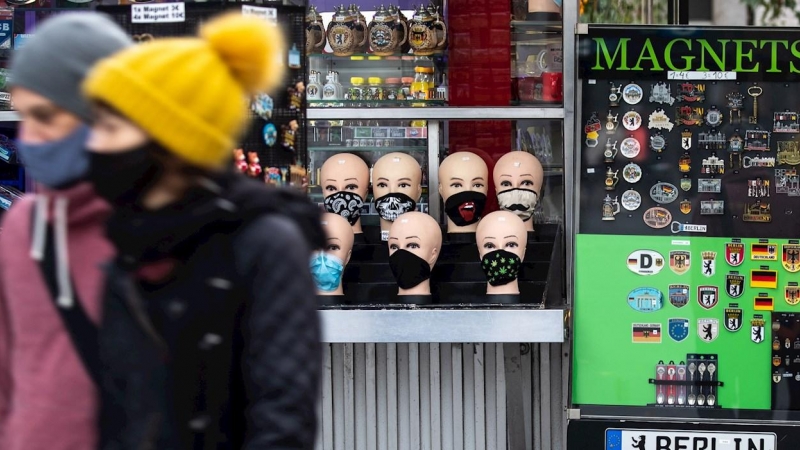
(396,186)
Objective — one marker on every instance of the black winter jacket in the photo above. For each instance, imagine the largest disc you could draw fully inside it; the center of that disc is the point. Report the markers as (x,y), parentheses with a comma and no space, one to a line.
(224,352)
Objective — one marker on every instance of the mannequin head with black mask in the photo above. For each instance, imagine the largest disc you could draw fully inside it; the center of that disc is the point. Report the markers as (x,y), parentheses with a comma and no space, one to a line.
(463,178)
(415,241)
(518,178)
(501,239)
(396,186)
(345,182)
(328,265)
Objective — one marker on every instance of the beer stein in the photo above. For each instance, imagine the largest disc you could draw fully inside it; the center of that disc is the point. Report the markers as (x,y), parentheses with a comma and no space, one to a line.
(610,208)
(361,32)
(610,152)
(315,31)
(395,10)
(611,179)
(441,35)
(343,32)
(387,33)
(422,34)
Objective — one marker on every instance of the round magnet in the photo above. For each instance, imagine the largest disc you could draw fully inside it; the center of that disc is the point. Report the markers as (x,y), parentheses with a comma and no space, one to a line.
(632,93)
(713,117)
(658,142)
(262,106)
(631,121)
(270,134)
(630,147)
(631,200)
(632,173)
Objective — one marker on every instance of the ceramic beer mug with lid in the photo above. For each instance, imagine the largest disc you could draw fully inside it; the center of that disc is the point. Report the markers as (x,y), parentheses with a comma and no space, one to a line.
(343,32)
(315,31)
(422,32)
(387,33)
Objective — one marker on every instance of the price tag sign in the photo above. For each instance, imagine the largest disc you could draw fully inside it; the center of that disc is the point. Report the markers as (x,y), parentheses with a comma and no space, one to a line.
(158,13)
(268,14)
(703,76)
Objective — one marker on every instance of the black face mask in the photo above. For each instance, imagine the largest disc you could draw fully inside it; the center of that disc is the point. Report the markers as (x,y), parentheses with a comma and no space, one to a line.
(501,267)
(123,178)
(392,205)
(409,269)
(346,204)
(465,208)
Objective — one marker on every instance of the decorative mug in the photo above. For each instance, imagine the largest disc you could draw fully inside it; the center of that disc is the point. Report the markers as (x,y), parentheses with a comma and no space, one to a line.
(315,31)
(343,32)
(387,33)
(422,32)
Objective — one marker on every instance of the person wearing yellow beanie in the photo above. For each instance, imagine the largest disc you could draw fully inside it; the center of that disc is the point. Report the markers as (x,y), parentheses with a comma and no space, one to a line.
(210,335)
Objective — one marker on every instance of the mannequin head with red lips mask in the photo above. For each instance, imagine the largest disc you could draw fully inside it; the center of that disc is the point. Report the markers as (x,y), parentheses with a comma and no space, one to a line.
(463,184)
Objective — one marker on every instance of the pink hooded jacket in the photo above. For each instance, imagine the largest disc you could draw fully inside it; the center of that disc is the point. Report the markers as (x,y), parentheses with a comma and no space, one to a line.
(47,400)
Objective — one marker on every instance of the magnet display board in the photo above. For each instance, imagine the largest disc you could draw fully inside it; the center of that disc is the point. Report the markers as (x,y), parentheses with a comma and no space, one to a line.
(689,202)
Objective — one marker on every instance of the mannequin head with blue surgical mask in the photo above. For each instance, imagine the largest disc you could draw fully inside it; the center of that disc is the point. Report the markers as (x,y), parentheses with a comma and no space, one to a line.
(327,265)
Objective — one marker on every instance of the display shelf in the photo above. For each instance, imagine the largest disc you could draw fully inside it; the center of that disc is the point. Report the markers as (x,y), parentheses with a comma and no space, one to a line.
(9,116)
(367,57)
(367,149)
(439,325)
(373,103)
(448,113)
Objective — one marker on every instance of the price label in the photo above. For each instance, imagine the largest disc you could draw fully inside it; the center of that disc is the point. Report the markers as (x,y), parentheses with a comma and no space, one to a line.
(268,14)
(158,13)
(702,76)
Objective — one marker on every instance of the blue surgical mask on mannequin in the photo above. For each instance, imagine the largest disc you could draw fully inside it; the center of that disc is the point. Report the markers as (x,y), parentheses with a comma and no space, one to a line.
(57,164)
(327,271)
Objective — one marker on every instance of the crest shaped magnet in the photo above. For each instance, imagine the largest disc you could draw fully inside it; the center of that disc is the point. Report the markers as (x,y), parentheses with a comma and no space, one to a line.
(678,329)
(630,147)
(790,257)
(631,200)
(658,142)
(685,163)
(707,330)
(686,183)
(707,296)
(686,139)
(686,206)
(631,120)
(632,93)
(792,295)
(733,318)
(679,295)
(680,261)
(734,285)
(632,173)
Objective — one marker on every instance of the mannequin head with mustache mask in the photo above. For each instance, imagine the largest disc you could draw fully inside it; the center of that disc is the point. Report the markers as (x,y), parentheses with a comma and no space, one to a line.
(396,186)
(463,184)
(518,178)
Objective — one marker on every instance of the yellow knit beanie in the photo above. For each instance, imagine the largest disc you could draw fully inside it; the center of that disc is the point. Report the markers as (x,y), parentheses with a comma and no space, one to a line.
(190,94)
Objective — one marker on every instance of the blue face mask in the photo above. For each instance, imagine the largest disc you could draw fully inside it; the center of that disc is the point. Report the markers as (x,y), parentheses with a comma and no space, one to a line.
(327,270)
(58,164)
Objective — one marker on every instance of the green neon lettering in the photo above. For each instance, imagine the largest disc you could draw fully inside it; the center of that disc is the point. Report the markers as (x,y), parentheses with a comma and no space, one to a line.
(651,56)
(707,49)
(687,59)
(621,51)
(773,53)
(741,55)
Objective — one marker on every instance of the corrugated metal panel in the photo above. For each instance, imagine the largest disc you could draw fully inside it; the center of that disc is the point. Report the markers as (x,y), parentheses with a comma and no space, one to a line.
(443,397)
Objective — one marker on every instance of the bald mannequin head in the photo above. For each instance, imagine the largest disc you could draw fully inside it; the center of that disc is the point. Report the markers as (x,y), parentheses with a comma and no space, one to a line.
(418,234)
(345,182)
(396,186)
(463,178)
(498,233)
(518,178)
(327,266)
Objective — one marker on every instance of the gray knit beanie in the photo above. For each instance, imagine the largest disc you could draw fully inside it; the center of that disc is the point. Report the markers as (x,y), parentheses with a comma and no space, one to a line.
(57,57)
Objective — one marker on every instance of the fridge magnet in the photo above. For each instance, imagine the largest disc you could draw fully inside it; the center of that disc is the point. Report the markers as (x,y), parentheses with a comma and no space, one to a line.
(677,227)
(686,183)
(610,208)
(296,95)
(787,182)
(645,262)
(679,295)
(791,294)
(733,317)
(757,328)
(631,120)
(646,299)
(678,329)
(611,122)
(630,147)
(610,152)
(790,257)
(646,333)
(712,166)
(707,329)
(756,140)
(712,207)
(262,105)
(734,253)
(680,261)
(689,92)
(631,200)
(758,188)
(785,122)
(685,206)
(762,251)
(289,135)
(758,161)
(613,95)
(735,105)
(755,92)
(632,93)
(763,278)
(611,179)
(709,263)
(658,119)
(788,153)
(657,217)
(707,296)
(657,142)
(591,130)
(686,139)
(763,303)
(664,193)
(686,115)
(661,93)
(685,163)
(735,148)
(713,117)
(734,285)
(712,140)
(253,165)
(270,134)
(709,185)
(757,212)
(632,173)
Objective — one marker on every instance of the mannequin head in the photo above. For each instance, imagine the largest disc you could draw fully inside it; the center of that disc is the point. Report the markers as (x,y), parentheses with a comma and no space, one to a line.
(463,183)
(518,178)
(501,239)
(396,186)
(415,240)
(327,266)
(345,181)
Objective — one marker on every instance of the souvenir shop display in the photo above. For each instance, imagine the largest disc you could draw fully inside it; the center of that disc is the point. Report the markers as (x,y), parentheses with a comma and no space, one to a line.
(327,265)
(396,186)
(415,241)
(518,178)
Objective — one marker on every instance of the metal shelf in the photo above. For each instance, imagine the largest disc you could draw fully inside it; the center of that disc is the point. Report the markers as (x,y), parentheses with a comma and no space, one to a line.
(438,325)
(436,113)
(332,148)
(9,116)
